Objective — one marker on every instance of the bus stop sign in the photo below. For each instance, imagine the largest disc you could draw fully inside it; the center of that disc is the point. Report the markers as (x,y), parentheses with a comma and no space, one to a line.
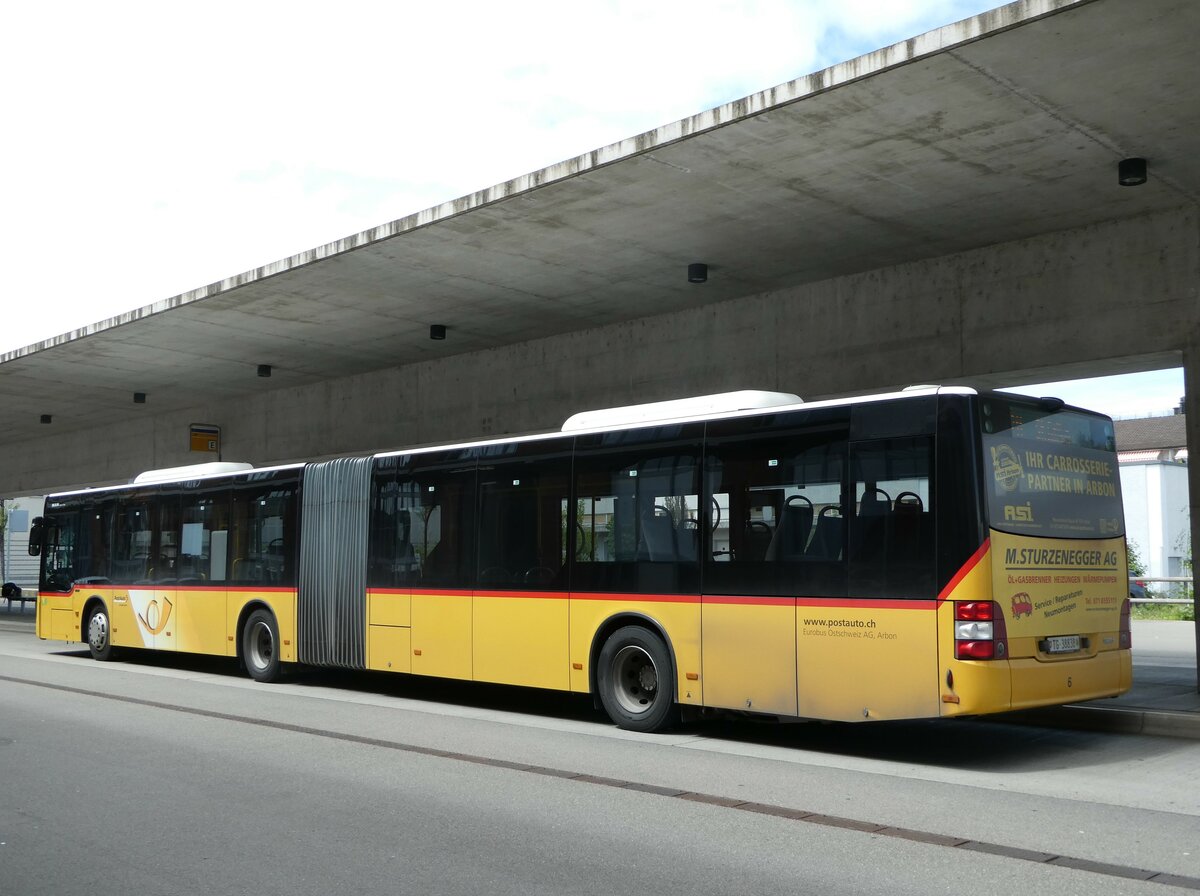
(205,438)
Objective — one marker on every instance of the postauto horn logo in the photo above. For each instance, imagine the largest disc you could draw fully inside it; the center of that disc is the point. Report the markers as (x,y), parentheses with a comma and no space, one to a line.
(154,620)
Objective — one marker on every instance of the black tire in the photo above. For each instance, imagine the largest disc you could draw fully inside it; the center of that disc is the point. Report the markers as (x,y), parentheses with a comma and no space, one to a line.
(636,680)
(260,646)
(97,631)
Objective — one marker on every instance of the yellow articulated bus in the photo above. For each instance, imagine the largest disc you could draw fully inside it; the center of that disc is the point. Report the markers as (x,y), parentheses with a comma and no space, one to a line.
(932,552)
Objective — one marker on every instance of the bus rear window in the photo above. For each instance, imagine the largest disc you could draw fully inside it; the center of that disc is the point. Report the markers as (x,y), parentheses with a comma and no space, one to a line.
(1049,471)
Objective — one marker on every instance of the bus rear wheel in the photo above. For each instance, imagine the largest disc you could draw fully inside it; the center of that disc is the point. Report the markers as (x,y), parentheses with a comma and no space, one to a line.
(98,630)
(260,646)
(636,680)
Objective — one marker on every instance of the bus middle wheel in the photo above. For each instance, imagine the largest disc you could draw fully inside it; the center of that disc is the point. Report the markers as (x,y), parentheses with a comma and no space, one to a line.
(636,680)
(260,646)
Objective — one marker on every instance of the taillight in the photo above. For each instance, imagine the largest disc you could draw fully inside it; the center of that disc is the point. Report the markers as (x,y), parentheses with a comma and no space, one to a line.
(1126,635)
(979,631)
(975,609)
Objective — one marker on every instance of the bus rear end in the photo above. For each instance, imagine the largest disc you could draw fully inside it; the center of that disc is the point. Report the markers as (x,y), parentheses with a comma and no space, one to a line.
(1041,615)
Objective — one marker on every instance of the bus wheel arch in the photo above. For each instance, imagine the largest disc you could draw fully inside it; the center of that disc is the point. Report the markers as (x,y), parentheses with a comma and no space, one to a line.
(633,674)
(96,629)
(258,642)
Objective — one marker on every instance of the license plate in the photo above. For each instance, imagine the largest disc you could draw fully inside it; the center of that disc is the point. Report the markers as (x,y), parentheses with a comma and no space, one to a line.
(1062,644)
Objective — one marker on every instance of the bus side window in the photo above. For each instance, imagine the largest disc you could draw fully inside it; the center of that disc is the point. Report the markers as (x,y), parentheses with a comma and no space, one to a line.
(203,538)
(637,517)
(435,513)
(776,516)
(59,554)
(891,520)
(95,527)
(131,541)
(165,557)
(522,520)
(76,547)
(263,536)
(391,556)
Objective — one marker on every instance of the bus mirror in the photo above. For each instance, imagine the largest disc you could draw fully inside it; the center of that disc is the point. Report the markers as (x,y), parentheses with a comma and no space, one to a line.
(37,536)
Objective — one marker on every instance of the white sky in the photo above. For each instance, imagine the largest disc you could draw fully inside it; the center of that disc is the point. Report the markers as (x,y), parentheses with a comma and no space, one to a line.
(151,148)
(1131,395)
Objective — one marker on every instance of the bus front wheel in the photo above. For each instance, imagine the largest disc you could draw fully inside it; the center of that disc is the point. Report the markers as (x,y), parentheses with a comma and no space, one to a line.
(636,680)
(260,646)
(99,634)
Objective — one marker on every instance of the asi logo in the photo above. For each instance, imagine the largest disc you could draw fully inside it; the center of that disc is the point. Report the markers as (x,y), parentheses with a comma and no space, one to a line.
(1018,513)
(1006,468)
(1022,605)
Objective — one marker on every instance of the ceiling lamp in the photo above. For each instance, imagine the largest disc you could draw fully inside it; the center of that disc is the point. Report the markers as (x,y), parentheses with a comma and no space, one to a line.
(1131,172)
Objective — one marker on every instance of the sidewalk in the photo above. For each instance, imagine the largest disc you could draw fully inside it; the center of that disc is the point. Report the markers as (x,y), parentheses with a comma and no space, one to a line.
(17,617)
(1163,700)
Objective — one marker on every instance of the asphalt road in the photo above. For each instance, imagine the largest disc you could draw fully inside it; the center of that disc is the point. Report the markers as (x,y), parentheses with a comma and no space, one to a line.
(177,776)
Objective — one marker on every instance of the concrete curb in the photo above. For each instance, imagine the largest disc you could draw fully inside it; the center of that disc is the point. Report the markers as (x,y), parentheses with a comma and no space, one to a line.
(1131,720)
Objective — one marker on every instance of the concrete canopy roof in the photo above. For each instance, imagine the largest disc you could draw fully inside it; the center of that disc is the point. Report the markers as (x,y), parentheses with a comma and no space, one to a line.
(1001,127)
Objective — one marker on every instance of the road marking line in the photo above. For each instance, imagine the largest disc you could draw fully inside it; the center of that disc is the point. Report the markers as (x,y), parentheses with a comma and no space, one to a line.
(719,802)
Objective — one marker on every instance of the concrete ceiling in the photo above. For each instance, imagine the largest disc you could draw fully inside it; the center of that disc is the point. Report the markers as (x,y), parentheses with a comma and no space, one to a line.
(1004,126)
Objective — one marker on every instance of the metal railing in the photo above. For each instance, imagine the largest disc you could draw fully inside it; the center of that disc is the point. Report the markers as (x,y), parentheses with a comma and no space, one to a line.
(1178,590)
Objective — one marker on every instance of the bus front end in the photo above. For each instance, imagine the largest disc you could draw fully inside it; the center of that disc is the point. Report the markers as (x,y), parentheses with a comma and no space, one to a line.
(1040,617)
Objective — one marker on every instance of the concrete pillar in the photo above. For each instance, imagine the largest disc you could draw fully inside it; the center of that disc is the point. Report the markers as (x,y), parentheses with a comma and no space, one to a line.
(1191,406)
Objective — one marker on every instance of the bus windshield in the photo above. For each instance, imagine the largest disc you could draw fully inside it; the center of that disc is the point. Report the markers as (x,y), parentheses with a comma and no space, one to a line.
(1050,471)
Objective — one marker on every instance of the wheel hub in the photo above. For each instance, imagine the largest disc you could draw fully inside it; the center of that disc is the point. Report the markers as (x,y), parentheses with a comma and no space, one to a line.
(262,645)
(648,678)
(98,631)
(636,678)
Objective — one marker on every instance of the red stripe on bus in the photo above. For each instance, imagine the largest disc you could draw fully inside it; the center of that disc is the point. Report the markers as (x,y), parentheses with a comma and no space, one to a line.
(563,595)
(434,592)
(966,569)
(634,598)
(168,586)
(533,595)
(870,603)
(733,599)
(743,600)
(542,595)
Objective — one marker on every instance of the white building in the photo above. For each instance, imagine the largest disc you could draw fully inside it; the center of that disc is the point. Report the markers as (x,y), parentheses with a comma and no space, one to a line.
(1154,483)
(16,565)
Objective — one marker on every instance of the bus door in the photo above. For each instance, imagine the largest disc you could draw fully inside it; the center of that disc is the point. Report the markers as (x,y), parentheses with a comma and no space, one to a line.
(873,654)
(442,535)
(774,490)
(747,618)
(154,602)
(519,622)
(55,538)
(133,591)
(201,568)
